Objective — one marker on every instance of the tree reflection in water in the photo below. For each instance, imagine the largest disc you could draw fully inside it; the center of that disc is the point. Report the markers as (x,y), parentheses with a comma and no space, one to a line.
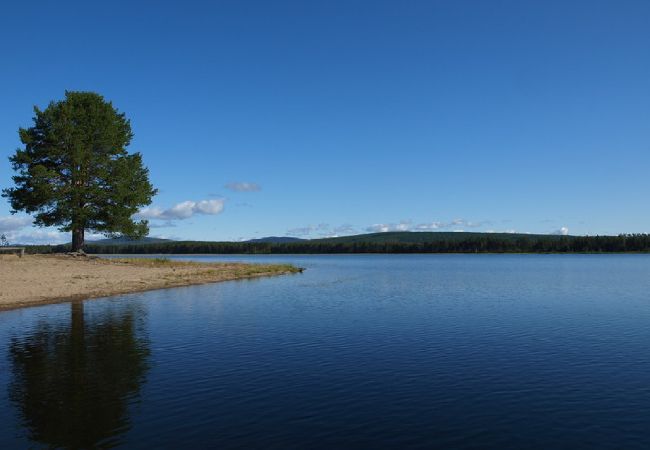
(73,383)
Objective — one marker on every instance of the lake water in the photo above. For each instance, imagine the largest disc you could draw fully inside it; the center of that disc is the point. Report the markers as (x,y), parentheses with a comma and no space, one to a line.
(359,351)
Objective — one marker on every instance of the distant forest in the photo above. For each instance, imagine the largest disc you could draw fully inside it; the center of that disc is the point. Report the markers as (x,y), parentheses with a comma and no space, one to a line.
(385,243)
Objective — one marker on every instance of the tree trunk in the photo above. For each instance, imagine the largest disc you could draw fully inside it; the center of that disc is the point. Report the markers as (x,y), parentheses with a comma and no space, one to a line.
(77,239)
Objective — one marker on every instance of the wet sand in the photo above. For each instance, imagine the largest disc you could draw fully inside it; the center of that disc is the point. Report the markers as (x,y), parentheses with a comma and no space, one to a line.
(41,279)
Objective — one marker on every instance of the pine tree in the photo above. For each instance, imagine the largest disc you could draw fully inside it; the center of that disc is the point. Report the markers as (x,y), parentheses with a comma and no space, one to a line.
(75,173)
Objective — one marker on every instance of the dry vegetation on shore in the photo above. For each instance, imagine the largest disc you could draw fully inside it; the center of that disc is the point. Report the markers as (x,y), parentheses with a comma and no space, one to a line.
(39,279)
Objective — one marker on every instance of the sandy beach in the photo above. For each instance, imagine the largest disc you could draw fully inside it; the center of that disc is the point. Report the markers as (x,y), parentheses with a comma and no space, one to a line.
(41,279)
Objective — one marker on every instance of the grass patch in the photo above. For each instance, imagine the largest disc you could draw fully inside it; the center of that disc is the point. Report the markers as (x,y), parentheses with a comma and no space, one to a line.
(161,261)
(211,269)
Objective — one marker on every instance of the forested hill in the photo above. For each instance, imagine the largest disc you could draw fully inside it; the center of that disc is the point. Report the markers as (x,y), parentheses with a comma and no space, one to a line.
(276,239)
(125,240)
(399,242)
(424,237)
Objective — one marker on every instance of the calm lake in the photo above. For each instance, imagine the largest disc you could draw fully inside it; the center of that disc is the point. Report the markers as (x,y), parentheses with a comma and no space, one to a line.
(359,351)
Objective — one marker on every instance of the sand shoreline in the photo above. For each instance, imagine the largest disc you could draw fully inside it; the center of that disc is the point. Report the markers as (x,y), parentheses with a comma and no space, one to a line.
(42,279)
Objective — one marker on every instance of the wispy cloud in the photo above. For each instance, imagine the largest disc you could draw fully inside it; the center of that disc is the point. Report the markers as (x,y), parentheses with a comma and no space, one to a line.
(322,230)
(325,230)
(346,228)
(35,236)
(41,237)
(172,237)
(242,186)
(300,231)
(404,225)
(310,229)
(13,228)
(18,230)
(165,224)
(429,226)
(14,223)
(563,231)
(466,223)
(183,210)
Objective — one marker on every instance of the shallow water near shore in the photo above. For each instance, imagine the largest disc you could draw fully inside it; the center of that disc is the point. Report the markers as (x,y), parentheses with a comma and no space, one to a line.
(413,351)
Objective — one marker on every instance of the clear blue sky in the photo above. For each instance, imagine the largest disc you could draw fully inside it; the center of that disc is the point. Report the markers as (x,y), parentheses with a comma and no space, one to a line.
(348,116)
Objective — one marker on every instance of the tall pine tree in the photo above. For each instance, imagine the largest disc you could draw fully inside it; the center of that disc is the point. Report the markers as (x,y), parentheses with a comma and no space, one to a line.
(75,173)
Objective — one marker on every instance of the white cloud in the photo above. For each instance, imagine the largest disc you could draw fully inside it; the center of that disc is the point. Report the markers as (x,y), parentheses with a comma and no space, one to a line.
(13,223)
(17,230)
(429,226)
(300,231)
(404,225)
(344,229)
(209,207)
(183,210)
(242,186)
(165,224)
(171,237)
(306,231)
(12,228)
(324,230)
(35,236)
(475,224)
(563,231)
(466,223)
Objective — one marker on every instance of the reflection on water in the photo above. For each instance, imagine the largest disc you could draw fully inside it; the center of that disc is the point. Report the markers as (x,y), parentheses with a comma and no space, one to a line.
(73,382)
(359,351)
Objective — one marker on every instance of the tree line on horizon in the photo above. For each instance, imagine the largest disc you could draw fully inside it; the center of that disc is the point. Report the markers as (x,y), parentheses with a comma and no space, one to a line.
(475,244)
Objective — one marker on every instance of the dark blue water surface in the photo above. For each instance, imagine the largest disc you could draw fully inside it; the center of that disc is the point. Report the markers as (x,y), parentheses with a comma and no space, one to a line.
(359,351)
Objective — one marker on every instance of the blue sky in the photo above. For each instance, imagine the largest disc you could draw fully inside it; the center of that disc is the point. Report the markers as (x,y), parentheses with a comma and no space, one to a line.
(340,117)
